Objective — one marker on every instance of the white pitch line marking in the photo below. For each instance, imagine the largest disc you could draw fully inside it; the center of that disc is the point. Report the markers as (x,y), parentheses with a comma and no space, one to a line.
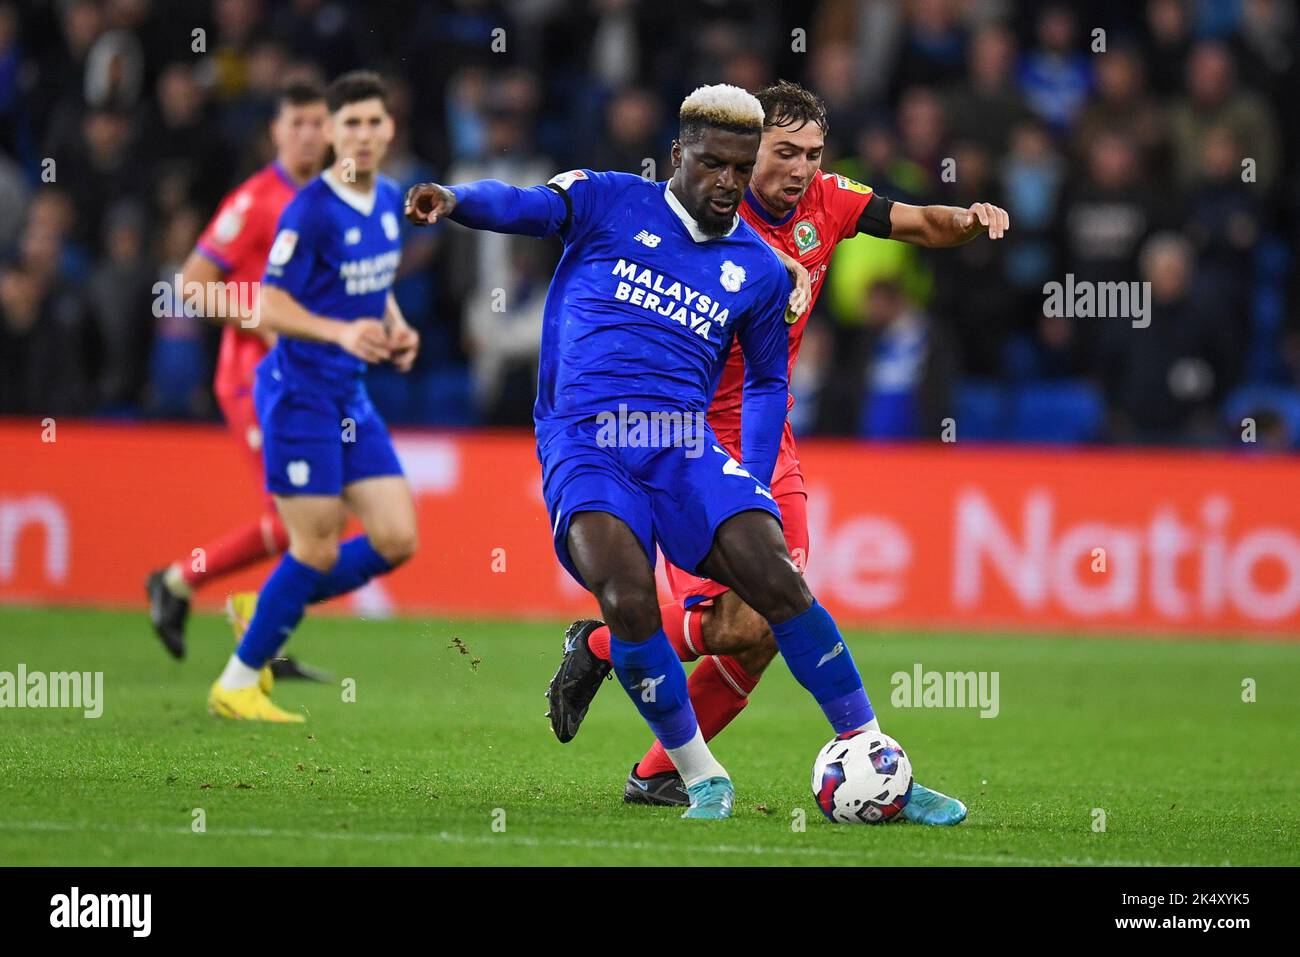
(447,837)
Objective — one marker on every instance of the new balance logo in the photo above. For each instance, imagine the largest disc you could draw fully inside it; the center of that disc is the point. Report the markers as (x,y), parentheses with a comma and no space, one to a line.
(839,646)
(650,239)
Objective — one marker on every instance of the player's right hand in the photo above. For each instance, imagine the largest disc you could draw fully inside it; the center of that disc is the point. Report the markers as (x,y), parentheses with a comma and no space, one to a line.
(366,339)
(426,203)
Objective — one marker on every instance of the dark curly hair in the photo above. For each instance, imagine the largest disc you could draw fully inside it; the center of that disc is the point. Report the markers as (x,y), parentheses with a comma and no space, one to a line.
(787,104)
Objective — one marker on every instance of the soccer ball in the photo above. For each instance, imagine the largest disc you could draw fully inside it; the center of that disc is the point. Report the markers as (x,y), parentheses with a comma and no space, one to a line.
(862,777)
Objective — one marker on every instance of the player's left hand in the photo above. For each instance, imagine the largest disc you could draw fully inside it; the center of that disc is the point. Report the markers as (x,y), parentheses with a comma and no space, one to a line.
(800,295)
(981,217)
(404,345)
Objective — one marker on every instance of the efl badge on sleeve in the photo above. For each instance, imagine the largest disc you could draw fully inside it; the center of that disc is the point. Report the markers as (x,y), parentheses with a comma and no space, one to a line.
(843,182)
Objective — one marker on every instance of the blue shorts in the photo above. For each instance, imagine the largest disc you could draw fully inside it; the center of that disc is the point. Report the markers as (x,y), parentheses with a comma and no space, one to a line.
(315,442)
(667,496)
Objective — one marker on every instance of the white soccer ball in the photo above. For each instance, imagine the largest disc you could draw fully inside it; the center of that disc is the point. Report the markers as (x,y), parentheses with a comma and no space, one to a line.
(862,777)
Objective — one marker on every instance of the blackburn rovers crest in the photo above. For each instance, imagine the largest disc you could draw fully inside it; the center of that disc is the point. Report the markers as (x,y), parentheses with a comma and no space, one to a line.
(805,236)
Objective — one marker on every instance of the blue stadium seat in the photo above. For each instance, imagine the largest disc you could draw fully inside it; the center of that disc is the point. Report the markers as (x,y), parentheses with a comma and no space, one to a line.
(178,370)
(1249,400)
(981,410)
(1067,411)
(445,396)
(1264,362)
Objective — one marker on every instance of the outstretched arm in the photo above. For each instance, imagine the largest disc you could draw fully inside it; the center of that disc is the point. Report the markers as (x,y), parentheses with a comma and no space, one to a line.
(489,204)
(939,226)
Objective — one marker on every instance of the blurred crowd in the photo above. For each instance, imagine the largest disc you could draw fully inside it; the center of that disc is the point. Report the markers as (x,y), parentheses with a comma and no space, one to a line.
(1152,141)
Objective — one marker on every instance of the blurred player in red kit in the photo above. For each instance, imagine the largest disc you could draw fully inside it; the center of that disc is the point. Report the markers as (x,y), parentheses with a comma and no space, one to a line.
(233,250)
(802,213)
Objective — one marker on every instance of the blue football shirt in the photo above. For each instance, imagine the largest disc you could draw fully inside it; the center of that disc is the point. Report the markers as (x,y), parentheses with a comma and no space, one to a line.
(336,252)
(643,306)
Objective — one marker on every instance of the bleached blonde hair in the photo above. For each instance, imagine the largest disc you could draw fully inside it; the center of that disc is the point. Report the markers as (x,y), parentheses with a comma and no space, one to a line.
(720,105)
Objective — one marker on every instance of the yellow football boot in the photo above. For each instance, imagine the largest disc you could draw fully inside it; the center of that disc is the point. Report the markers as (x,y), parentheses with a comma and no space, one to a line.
(239,612)
(247,704)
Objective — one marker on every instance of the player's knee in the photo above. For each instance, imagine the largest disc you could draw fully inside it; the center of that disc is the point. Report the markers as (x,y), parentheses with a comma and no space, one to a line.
(762,649)
(396,545)
(755,643)
(631,611)
(757,657)
(319,553)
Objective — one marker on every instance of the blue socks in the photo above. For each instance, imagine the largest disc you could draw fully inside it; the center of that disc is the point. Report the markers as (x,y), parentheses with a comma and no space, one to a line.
(652,675)
(280,605)
(293,586)
(820,661)
(358,563)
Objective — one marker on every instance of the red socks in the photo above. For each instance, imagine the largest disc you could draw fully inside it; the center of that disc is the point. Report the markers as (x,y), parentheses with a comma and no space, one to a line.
(719,687)
(237,549)
(598,642)
(682,627)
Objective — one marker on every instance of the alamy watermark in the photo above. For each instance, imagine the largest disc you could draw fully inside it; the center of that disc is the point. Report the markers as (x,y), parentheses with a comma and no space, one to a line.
(54,689)
(633,429)
(74,909)
(946,689)
(213,300)
(1084,299)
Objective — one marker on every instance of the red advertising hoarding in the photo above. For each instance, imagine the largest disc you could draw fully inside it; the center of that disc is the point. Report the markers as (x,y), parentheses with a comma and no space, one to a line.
(939,536)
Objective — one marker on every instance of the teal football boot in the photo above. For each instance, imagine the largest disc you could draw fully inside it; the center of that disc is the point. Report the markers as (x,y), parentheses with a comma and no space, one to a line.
(711,799)
(931,807)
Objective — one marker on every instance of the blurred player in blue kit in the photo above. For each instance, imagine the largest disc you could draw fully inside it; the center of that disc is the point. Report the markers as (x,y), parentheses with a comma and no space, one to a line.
(326,294)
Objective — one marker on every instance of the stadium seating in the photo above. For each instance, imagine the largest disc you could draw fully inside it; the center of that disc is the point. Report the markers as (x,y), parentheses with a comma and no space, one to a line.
(1251,400)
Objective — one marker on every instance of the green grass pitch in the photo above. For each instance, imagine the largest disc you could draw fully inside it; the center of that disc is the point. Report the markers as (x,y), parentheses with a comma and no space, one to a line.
(440,745)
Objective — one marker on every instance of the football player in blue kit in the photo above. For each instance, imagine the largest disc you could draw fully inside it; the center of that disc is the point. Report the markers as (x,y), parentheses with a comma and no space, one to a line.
(326,294)
(655,281)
